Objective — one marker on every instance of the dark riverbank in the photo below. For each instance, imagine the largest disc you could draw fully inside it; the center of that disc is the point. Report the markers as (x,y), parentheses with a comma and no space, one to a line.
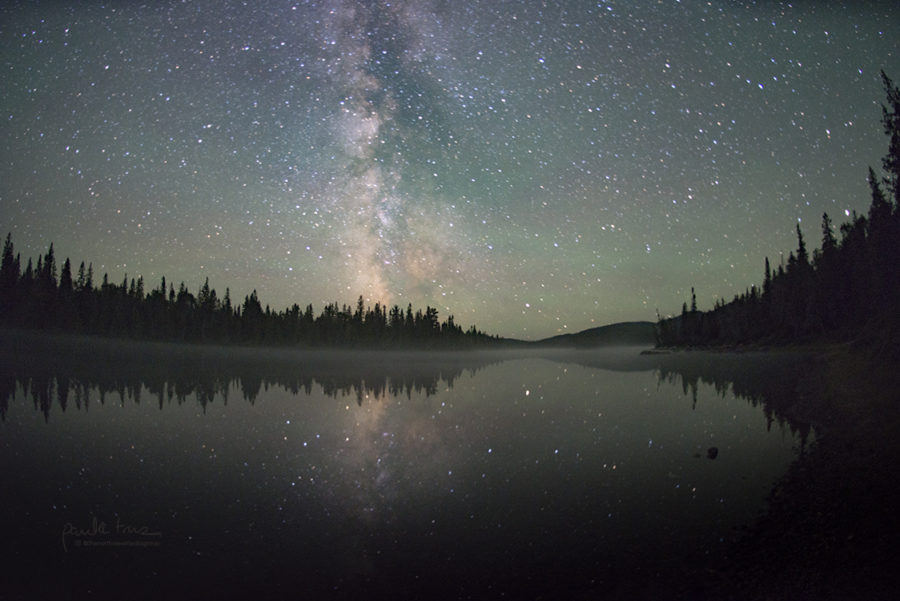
(831,527)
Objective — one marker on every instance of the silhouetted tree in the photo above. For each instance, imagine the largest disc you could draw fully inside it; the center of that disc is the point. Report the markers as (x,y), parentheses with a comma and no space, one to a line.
(9,278)
(849,286)
(829,242)
(891,122)
(125,310)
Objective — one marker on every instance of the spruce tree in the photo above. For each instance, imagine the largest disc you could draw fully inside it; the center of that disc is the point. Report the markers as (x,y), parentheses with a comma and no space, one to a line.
(50,267)
(829,243)
(65,279)
(802,254)
(79,283)
(891,122)
(9,277)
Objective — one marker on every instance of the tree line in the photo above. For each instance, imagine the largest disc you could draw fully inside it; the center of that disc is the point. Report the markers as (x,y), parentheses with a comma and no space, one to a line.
(43,296)
(847,287)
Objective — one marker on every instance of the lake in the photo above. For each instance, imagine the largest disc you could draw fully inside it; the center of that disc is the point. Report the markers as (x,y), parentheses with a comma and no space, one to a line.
(336,474)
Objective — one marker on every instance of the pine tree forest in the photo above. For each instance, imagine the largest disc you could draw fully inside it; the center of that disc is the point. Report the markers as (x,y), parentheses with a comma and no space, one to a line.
(847,289)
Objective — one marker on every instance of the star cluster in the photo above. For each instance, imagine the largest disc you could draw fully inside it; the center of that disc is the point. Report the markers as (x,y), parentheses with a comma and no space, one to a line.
(531,167)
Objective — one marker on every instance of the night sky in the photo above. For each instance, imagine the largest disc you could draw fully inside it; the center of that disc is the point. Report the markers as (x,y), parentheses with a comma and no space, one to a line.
(530,167)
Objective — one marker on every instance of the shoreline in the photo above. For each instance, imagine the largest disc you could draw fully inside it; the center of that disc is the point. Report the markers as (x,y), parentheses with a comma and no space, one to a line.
(803,347)
(829,530)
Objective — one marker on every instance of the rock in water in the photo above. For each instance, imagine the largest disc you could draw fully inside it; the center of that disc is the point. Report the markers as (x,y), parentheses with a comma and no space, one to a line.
(712,452)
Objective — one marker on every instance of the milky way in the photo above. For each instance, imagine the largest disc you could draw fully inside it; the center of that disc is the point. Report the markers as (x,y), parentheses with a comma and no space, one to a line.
(530,167)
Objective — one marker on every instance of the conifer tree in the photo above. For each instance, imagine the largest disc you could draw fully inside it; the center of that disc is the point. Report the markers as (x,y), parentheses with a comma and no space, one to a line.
(802,254)
(50,267)
(8,274)
(65,279)
(891,122)
(829,243)
(880,209)
(9,278)
(79,283)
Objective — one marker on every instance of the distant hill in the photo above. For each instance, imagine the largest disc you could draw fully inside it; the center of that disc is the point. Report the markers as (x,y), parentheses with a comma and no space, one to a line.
(628,333)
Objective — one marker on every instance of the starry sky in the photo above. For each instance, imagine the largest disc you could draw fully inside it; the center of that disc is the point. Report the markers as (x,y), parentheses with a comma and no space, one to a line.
(530,167)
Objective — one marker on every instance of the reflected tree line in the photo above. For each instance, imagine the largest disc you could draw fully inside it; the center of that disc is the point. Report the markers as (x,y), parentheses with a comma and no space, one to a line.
(44,296)
(75,372)
(849,285)
(67,391)
(779,384)
(777,387)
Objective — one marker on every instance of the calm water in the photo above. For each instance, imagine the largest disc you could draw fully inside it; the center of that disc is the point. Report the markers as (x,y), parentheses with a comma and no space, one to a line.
(338,474)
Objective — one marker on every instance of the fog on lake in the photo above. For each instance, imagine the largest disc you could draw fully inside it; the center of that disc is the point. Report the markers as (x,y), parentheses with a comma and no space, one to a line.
(335,474)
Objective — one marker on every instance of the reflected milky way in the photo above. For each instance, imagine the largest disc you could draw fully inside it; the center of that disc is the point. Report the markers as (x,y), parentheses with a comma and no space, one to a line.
(345,473)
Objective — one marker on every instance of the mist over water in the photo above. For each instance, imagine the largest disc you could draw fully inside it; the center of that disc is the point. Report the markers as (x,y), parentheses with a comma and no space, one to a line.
(338,474)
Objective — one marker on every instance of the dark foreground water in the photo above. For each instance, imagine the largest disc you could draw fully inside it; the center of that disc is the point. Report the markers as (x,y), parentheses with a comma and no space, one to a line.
(160,471)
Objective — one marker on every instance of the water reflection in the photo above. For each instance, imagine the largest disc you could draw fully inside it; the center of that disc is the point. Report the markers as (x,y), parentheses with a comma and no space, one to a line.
(777,386)
(778,383)
(67,370)
(344,475)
